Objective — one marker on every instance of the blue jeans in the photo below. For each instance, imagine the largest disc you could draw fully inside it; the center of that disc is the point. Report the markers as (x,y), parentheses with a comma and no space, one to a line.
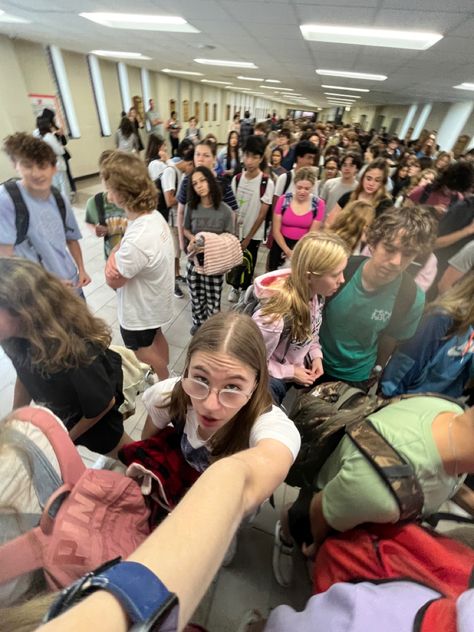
(278,390)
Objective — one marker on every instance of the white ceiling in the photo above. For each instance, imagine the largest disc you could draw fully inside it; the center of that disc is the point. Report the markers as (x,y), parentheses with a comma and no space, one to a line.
(267,33)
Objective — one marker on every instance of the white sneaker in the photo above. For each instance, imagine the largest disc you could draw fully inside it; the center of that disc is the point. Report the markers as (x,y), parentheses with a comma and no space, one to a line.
(233,296)
(282,560)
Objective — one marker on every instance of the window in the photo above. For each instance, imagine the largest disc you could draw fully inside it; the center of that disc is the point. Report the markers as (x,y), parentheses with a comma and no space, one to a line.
(197,109)
(123,85)
(227,112)
(172,106)
(214,111)
(99,95)
(62,86)
(206,111)
(185,110)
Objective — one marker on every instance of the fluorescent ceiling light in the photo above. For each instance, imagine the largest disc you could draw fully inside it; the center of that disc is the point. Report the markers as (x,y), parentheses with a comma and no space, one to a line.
(272,81)
(283,89)
(135,21)
(465,86)
(249,78)
(6,17)
(118,54)
(182,72)
(223,83)
(344,96)
(366,36)
(222,62)
(343,88)
(351,75)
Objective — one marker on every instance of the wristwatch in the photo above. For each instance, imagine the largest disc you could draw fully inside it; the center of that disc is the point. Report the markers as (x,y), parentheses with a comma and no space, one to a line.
(149,604)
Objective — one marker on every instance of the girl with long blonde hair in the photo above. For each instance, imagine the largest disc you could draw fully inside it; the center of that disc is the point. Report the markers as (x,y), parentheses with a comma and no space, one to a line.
(440,356)
(291,309)
(61,355)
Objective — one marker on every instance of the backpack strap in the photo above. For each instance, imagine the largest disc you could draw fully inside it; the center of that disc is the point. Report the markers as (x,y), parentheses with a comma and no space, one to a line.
(22,216)
(263,185)
(398,475)
(100,206)
(66,452)
(426,193)
(287,182)
(61,206)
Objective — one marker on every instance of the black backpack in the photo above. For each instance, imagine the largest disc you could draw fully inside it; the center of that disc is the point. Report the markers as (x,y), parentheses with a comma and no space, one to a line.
(162,207)
(22,214)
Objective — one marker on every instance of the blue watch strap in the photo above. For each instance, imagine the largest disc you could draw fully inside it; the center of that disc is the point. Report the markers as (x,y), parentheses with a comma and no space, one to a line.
(137,588)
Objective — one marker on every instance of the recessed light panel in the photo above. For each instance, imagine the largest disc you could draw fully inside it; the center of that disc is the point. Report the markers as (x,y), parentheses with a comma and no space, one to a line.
(388,38)
(344,96)
(116,54)
(272,81)
(12,19)
(223,83)
(249,78)
(344,88)
(465,86)
(351,75)
(223,62)
(135,21)
(182,72)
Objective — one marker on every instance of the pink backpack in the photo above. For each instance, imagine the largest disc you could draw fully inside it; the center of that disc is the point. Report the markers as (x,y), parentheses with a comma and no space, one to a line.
(92,516)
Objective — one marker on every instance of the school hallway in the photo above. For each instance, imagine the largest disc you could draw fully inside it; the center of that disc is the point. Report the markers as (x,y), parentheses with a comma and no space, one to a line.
(248,582)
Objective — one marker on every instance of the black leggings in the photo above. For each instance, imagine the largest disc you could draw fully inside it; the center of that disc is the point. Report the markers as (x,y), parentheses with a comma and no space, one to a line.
(275,257)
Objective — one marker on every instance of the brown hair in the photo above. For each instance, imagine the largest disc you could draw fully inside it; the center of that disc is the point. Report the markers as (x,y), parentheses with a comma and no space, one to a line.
(381,193)
(352,221)
(415,226)
(237,335)
(61,332)
(22,146)
(128,177)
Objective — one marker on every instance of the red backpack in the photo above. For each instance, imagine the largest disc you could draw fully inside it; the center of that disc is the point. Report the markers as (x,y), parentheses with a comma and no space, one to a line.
(92,516)
(378,552)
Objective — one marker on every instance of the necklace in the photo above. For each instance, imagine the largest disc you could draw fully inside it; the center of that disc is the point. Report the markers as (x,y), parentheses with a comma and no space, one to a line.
(453,447)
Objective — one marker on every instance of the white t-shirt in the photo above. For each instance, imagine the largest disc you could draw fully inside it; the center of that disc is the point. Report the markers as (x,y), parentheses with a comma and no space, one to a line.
(156,168)
(333,189)
(272,425)
(146,257)
(171,180)
(247,194)
(281,182)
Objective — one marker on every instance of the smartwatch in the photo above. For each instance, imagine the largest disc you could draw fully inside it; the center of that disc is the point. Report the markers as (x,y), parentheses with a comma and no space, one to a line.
(150,606)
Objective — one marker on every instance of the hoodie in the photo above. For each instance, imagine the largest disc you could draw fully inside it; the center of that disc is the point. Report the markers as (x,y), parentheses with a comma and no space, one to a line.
(283,354)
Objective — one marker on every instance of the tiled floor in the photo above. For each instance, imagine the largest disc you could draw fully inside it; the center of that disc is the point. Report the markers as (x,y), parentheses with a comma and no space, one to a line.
(248,582)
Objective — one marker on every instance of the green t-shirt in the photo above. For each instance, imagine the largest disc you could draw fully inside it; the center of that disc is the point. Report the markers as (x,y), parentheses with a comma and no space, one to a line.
(115,220)
(355,493)
(353,321)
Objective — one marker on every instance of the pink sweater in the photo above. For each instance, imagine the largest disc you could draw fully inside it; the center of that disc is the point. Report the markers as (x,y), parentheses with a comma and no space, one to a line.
(295,226)
(284,355)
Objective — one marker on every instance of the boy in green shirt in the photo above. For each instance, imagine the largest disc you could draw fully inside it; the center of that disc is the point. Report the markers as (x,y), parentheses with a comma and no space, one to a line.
(109,220)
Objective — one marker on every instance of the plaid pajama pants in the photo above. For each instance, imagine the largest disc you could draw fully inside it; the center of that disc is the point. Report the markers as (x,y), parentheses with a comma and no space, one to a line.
(205,293)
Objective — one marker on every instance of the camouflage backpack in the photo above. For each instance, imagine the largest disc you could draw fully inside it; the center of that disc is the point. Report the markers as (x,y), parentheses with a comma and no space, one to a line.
(332,410)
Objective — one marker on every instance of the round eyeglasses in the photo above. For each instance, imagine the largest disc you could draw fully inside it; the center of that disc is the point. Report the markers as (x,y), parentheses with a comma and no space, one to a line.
(228,397)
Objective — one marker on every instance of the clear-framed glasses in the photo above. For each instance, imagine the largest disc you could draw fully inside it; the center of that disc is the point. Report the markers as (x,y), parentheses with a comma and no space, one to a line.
(228,397)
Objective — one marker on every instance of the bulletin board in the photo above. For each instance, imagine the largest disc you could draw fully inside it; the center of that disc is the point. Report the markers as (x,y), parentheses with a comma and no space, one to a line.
(51,101)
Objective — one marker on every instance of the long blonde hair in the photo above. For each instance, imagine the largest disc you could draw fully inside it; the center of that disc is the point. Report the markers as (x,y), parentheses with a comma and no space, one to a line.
(458,303)
(318,253)
(352,221)
(61,332)
(238,335)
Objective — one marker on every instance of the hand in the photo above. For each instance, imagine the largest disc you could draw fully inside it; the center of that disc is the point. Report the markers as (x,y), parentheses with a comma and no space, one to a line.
(101,231)
(111,270)
(244,244)
(303,376)
(288,253)
(84,279)
(309,550)
(440,210)
(317,368)
(192,245)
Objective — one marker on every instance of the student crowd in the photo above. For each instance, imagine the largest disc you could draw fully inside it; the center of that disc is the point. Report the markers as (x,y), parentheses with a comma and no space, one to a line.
(368,247)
